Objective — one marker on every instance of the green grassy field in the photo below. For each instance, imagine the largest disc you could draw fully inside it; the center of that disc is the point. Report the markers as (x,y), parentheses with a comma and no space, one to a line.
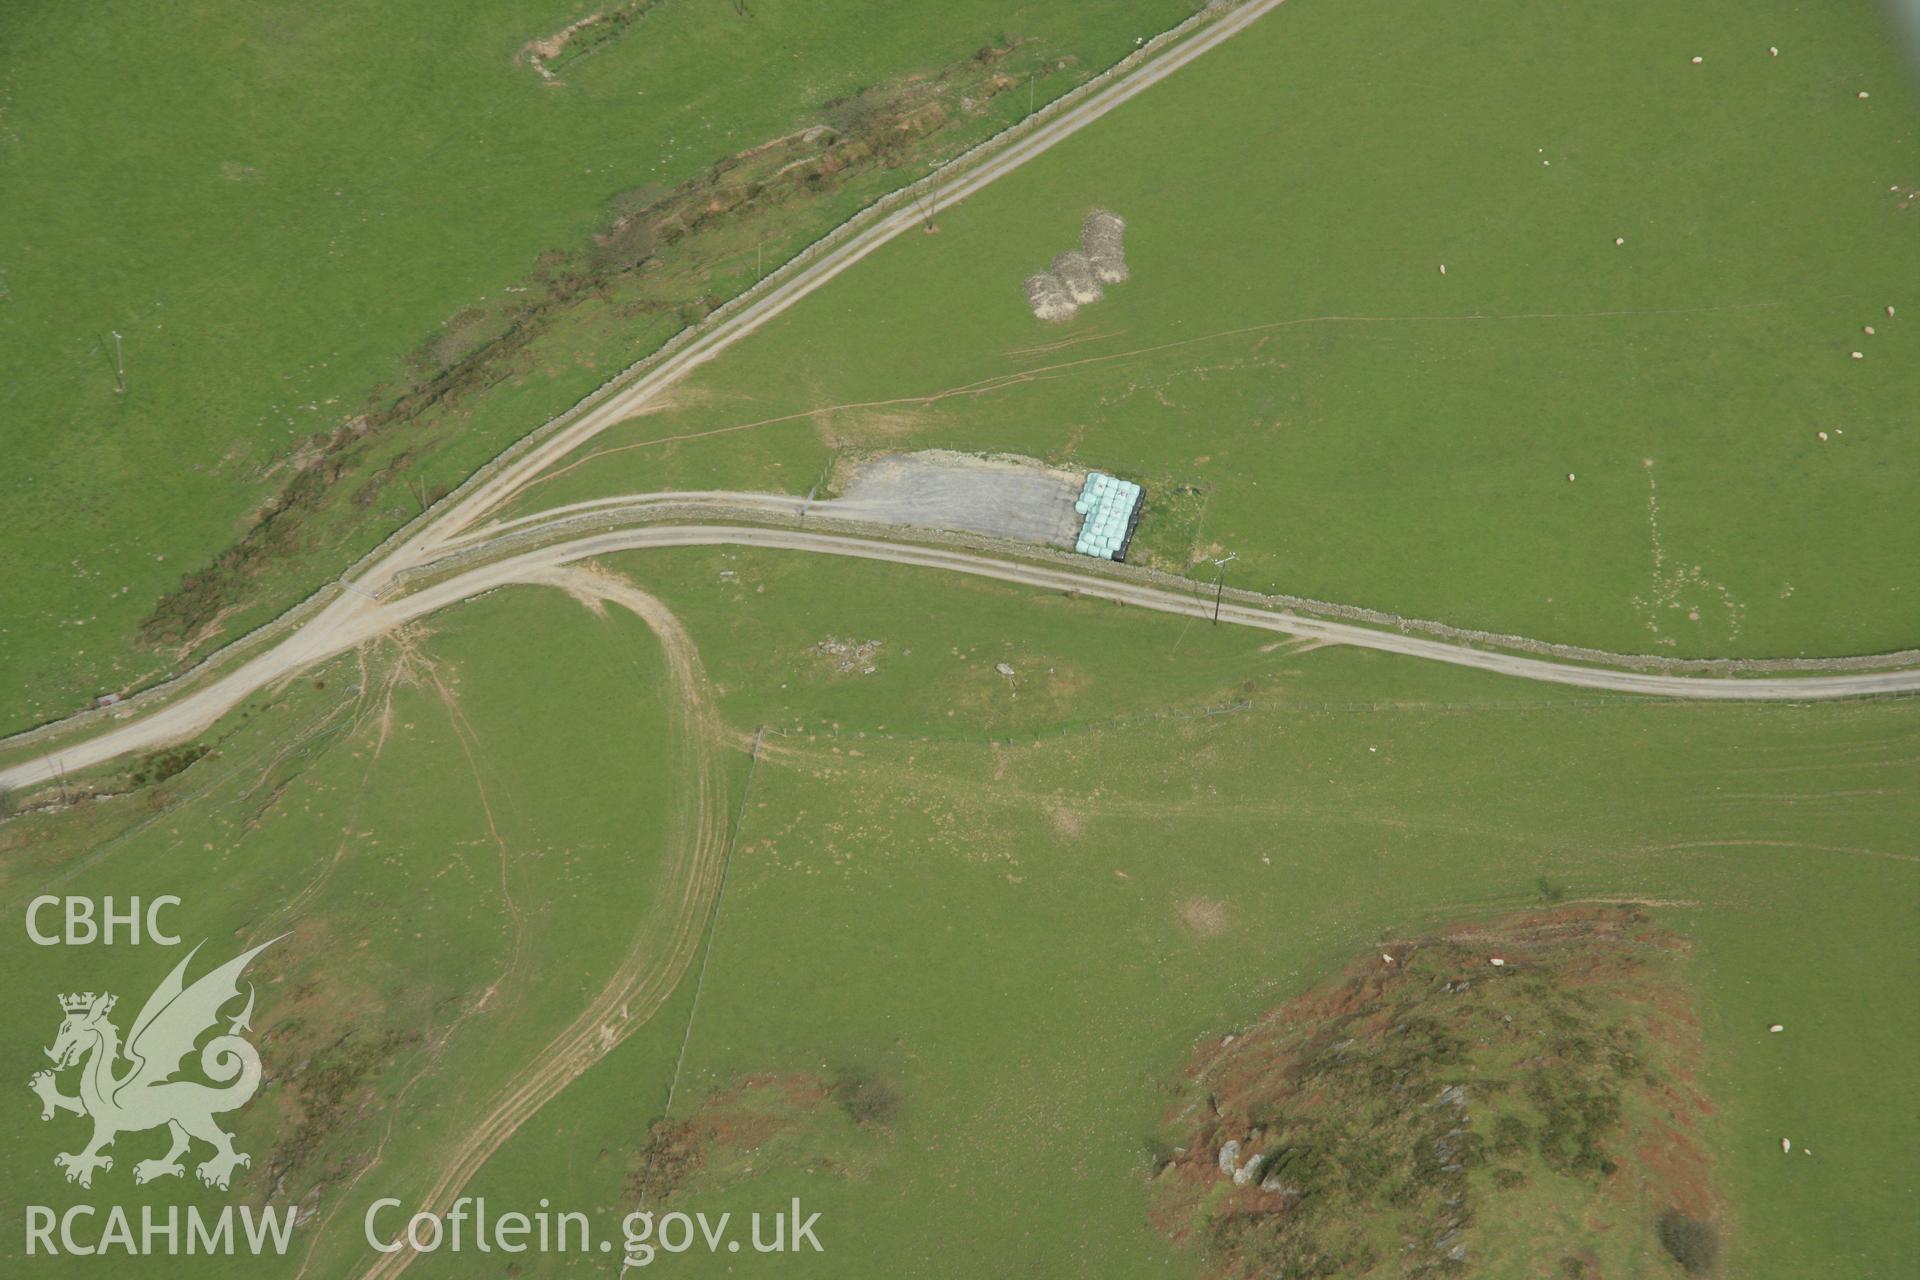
(414,827)
(1359,427)
(343,209)
(1008,855)
(1020,916)
(1002,929)
(1512,1095)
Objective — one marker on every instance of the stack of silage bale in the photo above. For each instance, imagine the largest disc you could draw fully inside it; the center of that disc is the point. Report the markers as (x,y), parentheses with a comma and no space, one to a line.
(1107,502)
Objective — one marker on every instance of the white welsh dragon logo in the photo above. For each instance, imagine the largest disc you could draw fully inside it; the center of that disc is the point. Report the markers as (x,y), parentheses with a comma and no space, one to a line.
(147,1095)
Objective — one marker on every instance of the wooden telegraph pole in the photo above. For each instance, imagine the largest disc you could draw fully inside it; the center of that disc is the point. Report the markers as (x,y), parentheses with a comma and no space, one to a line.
(1220,584)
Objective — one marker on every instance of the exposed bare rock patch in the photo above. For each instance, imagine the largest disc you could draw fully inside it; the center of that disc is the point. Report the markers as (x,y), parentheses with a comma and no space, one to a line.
(538,53)
(577,39)
(850,657)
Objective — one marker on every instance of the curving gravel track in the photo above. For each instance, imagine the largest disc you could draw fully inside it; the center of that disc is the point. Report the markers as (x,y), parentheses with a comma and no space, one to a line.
(357,614)
(663,948)
(354,618)
(469,505)
(346,620)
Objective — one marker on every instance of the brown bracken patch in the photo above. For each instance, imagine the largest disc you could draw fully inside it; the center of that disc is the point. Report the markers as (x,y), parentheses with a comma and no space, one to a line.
(1431,1112)
(832,1123)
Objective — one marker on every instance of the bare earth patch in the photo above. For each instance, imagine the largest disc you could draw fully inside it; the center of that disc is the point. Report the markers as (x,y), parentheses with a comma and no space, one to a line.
(837,1124)
(579,38)
(1067,823)
(1205,917)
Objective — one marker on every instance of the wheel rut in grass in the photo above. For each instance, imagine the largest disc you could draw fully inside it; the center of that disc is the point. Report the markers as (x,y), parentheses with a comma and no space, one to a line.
(668,937)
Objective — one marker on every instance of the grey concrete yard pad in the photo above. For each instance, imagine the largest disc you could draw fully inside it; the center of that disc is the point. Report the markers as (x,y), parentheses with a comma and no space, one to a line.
(1004,496)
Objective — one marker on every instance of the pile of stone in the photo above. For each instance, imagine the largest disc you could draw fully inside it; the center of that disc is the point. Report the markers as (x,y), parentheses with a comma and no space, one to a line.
(850,657)
(1076,272)
(1101,236)
(1048,297)
(1077,276)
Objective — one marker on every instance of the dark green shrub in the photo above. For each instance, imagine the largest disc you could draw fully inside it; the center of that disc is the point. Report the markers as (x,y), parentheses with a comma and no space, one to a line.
(866,1098)
(1693,1244)
(1510,1134)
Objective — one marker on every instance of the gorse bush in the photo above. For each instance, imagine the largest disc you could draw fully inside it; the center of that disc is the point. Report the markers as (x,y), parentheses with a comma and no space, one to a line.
(1695,1245)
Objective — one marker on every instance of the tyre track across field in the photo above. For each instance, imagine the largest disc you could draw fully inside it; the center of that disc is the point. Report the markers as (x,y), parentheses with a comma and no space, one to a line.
(665,945)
